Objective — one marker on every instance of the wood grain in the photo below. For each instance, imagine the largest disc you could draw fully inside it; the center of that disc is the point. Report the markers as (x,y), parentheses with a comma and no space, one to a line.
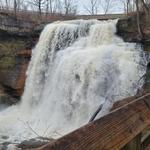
(111,132)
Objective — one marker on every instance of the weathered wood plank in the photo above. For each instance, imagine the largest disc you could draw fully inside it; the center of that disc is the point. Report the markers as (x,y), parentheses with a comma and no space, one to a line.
(111,132)
(134,144)
(145,143)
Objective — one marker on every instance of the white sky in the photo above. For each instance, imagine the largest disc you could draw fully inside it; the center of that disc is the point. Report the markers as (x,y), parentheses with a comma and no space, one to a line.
(116,7)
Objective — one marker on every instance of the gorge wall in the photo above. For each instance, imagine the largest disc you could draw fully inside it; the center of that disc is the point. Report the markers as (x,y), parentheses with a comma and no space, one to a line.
(17,38)
(127,29)
(75,67)
(15,53)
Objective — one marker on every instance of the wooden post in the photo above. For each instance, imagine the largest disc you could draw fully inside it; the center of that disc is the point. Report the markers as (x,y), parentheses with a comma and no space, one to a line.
(135,144)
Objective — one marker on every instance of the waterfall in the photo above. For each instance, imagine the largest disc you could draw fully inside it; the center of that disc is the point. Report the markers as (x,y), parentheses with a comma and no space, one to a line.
(75,67)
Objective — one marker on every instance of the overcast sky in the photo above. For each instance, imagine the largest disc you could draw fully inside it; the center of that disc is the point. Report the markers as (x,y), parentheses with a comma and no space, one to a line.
(116,6)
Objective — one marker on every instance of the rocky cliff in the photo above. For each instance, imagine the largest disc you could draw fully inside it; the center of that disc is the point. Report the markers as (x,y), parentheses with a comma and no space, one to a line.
(127,29)
(15,53)
(16,42)
(13,66)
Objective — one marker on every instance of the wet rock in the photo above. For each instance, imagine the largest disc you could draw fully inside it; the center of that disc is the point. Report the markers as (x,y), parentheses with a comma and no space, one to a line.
(127,29)
(16,41)
(5,99)
(34,143)
(8,146)
(9,24)
(12,147)
(77,77)
(13,78)
(4,137)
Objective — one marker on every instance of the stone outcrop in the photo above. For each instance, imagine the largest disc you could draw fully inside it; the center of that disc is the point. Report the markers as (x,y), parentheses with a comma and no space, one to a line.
(11,25)
(15,51)
(127,29)
(13,78)
(17,38)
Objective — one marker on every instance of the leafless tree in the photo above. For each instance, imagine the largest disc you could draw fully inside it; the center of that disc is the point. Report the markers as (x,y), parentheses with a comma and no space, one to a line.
(15,7)
(25,6)
(6,4)
(58,6)
(146,7)
(92,7)
(49,6)
(107,5)
(138,18)
(39,4)
(1,4)
(129,6)
(70,7)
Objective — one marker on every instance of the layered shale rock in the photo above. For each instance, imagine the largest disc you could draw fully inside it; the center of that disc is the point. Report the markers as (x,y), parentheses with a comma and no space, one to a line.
(127,29)
(13,77)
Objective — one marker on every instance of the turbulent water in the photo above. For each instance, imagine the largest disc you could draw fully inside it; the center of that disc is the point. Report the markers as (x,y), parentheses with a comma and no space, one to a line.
(75,67)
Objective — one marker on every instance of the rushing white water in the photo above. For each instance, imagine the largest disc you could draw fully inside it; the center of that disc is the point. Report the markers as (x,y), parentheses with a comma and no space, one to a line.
(75,67)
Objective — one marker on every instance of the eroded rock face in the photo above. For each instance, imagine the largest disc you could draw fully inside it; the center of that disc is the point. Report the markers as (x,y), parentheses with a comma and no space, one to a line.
(9,24)
(15,58)
(13,78)
(127,29)
(15,53)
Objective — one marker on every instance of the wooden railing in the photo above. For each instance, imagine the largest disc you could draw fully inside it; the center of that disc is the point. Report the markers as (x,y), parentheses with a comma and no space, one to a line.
(120,129)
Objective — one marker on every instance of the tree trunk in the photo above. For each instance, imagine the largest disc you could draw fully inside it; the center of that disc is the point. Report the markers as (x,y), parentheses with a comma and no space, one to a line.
(15,8)
(138,19)
(147,11)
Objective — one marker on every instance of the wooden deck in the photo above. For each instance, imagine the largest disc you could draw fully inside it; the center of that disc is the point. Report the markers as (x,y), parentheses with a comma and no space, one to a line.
(120,129)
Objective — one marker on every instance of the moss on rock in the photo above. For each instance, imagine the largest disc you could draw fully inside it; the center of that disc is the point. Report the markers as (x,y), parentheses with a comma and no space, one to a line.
(8,51)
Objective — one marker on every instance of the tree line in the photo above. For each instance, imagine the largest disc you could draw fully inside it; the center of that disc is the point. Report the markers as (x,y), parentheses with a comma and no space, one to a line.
(41,6)
(70,7)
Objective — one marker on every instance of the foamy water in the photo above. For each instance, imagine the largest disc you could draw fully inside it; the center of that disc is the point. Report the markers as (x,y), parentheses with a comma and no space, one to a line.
(75,67)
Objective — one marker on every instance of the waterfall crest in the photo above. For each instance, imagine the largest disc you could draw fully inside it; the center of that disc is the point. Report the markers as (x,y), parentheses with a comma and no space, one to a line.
(76,66)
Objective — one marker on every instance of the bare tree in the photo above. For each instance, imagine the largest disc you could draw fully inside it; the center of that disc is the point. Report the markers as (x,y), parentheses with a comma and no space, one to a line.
(25,6)
(39,4)
(17,4)
(107,5)
(129,6)
(58,7)
(138,18)
(92,7)
(1,4)
(70,7)
(15,7)
(49,6)
(146,7)
(7,4)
